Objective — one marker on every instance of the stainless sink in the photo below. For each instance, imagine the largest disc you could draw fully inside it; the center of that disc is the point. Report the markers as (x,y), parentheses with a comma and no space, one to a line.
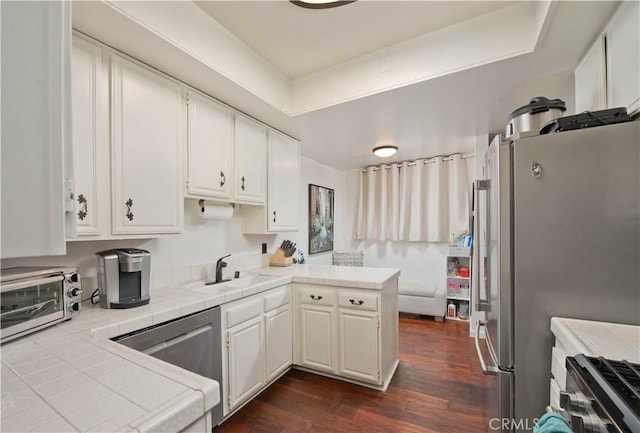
(237,283)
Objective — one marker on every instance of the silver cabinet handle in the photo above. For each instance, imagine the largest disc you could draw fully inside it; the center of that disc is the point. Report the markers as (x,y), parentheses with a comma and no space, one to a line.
(223,179)
(315,298)
(481,304)
(358,302)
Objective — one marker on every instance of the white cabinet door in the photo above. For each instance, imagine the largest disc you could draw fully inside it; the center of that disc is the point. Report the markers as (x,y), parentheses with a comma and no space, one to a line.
(284,183)
(590,79)
(623,57)
(316,339)
(36,122)
(358,334)
(210,144)
(90,113)
(250,184)
(147,114)
(246,373)
(278,341)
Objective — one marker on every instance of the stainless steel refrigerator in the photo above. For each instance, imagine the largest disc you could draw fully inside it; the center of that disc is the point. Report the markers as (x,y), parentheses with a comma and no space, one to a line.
(557,223)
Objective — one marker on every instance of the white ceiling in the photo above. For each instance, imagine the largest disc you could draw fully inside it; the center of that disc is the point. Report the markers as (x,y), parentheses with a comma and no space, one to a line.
(429,77)
(300,41)
(437,116)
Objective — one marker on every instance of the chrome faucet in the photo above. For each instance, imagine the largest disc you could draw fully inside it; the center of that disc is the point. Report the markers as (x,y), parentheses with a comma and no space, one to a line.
(219,265)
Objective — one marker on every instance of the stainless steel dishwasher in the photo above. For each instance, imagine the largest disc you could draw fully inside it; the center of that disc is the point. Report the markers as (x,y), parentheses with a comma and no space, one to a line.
(192,342)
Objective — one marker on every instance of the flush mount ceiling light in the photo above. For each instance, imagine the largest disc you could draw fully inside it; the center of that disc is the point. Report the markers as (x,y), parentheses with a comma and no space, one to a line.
(385,151)
(320,4)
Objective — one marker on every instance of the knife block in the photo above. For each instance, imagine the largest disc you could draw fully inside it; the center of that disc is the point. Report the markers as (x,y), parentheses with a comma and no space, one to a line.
(278,259)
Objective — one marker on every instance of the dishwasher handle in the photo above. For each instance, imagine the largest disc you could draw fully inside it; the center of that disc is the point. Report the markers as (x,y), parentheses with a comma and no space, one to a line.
(177,340)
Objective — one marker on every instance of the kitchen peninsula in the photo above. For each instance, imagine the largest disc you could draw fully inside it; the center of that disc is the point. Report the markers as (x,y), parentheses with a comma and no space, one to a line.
(51,372)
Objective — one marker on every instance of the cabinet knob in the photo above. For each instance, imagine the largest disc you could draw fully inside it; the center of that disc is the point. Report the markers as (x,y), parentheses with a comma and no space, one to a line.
(358,302)
(82,213)
(315,298)
(223,179)
(242,186)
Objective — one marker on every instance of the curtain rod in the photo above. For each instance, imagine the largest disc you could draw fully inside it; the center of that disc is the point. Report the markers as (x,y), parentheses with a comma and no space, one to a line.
(412,163)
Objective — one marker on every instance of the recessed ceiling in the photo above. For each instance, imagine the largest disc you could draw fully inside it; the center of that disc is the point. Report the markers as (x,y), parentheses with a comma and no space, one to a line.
(429,77)
(300,41)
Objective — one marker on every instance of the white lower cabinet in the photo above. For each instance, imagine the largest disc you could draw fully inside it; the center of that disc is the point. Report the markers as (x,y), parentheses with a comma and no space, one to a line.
(257,334)
(317,337)
(359,346)
(245,348)
(278,331)
(339,331)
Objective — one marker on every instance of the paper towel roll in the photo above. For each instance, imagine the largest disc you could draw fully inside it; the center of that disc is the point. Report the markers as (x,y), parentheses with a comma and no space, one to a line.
(215,211)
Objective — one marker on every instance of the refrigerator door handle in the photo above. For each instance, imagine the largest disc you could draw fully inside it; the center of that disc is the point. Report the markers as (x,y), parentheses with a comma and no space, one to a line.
(481,304)
(491,370)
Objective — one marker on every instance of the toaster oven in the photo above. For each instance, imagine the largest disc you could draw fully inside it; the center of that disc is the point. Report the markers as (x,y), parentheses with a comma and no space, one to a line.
(33,298)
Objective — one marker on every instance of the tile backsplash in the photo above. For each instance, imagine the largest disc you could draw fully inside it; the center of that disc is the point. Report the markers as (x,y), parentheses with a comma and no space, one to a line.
(179,275)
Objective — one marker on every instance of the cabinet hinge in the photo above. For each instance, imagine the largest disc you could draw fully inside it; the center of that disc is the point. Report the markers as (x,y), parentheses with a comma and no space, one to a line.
(378,375)
(228,343)
(378,320)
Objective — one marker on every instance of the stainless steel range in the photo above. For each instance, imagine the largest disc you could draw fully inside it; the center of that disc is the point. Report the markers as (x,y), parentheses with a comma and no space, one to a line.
(603,396)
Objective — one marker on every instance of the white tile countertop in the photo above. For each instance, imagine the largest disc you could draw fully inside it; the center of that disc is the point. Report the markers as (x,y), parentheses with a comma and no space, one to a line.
(71,377)
(345,276)
(610,340)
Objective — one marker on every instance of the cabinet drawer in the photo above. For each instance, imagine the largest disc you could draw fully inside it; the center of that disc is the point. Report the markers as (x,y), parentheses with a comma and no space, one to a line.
(243,312)
(315,296)
(276,299)
(361,301)
(558,369)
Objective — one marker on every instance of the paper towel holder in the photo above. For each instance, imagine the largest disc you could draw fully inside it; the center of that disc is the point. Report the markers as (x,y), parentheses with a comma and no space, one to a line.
(201,204)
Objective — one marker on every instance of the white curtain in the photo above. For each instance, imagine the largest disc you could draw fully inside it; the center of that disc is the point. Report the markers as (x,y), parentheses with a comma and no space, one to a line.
(420,201)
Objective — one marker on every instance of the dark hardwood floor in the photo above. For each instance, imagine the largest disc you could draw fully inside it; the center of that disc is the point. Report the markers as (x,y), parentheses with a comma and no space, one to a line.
(438,388)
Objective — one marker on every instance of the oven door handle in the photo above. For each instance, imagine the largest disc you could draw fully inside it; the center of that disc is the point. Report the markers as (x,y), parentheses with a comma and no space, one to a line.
(29,283)
(30,309)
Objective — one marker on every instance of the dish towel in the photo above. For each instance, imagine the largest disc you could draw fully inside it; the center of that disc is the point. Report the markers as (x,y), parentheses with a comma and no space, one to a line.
(552,422)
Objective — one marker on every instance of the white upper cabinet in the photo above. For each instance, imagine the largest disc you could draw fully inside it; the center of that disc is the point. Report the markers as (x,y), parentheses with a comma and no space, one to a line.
(210,148)
(623,57)
(37,200)
(283,189)
(284,182)
(250,178)
(608,76)
(148,116)
(590,79)
(90,112)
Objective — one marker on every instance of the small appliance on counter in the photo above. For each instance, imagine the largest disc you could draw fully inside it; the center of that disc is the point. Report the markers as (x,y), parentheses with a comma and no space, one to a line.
(123,277)
(534,115)
(33,298)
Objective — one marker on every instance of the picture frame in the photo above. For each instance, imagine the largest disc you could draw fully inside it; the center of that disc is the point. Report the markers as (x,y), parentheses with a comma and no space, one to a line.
(321,219)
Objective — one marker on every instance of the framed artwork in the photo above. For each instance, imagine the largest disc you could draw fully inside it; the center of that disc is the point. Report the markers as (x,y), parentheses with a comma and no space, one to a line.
(320,219)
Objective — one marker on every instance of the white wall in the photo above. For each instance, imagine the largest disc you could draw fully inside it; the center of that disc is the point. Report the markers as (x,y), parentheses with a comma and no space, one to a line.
(190,255)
